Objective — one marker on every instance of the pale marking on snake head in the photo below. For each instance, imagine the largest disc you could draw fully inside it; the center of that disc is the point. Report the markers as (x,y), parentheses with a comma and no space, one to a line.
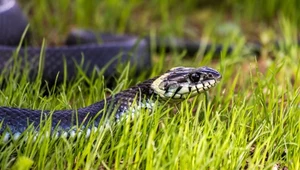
(16,136)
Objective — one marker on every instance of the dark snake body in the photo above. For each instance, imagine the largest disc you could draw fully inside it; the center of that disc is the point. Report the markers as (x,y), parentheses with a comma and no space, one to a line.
(115,49)
(17,119)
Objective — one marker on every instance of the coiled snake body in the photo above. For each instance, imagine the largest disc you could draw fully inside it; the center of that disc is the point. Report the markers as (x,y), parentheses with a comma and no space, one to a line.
(176,84)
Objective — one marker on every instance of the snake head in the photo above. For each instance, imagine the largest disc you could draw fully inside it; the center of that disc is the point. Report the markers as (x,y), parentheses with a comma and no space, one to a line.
(183,82)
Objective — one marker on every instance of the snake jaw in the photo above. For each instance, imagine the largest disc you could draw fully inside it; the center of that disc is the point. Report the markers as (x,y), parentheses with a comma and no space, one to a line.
(180,83)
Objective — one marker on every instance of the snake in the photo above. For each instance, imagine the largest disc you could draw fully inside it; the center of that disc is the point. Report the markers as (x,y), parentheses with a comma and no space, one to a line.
(173,86)
(83,51)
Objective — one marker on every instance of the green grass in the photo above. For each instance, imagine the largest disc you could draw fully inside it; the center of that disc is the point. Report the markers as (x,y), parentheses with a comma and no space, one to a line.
(256,105)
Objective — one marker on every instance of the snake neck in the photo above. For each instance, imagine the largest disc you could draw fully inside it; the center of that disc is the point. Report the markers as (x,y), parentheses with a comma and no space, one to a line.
(138,96)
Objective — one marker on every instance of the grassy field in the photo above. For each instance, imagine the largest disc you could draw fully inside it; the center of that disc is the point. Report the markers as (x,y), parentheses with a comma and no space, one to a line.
(249,120)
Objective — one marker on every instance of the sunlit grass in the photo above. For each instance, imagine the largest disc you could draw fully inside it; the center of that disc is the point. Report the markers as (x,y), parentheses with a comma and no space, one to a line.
(247,109)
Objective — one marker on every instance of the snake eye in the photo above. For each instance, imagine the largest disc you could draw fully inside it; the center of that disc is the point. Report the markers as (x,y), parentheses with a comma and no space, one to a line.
(210,75)
(194,77)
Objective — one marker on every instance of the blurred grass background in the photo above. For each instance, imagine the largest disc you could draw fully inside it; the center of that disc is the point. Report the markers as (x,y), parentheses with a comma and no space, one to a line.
(192,18)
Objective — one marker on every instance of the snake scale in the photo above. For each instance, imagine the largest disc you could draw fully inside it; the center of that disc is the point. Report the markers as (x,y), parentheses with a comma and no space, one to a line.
(175,85)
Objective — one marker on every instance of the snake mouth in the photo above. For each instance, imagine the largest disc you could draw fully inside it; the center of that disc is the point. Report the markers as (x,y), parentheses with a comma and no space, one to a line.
(203,86)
